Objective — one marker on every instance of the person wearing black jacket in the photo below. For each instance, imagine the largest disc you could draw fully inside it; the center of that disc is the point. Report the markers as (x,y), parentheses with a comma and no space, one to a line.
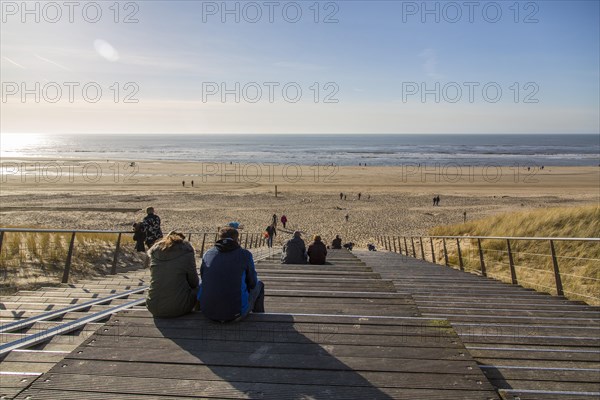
(230,287)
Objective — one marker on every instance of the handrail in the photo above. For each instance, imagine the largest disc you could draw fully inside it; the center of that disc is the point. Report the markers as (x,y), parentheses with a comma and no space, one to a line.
(248,239)
(479,250)
(511,238)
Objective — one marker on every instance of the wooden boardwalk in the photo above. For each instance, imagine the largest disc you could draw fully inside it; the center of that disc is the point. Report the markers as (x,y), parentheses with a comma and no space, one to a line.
(332,332)
(530,345)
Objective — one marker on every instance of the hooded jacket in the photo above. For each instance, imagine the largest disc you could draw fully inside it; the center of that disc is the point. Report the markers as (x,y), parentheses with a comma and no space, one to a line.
(228,274)
(294,252)
(174,281)
(317,252)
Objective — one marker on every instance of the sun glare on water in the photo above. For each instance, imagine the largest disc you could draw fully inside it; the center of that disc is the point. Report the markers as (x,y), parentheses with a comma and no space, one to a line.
(15,144)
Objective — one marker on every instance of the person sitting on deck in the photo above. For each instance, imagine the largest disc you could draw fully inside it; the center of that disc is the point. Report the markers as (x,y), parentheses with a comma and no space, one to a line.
(317,252)
(230,288)
(174,280)
(336,243)
(294,250)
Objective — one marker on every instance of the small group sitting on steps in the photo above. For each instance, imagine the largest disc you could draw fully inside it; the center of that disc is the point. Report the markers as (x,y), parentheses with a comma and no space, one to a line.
(230,288)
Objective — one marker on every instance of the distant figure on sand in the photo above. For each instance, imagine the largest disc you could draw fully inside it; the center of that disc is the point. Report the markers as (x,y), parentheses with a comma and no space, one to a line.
(192,183)
(283,220)
(152,229)
(347,216)
(294,250)
(274,220)
(341,196)
(345,197)
(183,183)
(271,232)
(230,287)
(371,247)
(359,194)
(317,252)
(336,243)
(437,200)
(349,246)
(174,280)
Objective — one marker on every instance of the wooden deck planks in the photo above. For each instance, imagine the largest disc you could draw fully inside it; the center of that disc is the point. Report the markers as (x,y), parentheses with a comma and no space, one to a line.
(314,342)
(530,345)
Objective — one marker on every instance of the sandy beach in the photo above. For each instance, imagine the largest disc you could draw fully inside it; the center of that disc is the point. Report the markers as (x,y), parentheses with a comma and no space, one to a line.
(95,194)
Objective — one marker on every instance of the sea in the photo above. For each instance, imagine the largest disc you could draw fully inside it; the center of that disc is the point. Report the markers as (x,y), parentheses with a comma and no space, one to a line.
(309,149)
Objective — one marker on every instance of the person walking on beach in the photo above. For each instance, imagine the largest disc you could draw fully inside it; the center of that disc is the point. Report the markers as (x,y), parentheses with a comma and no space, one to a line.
(174,280)
(274,220)
(283,220)
(437,200)
(230,287)
(336,243)
(434,200)
(271,232)
(341,196)
(294,250)
(347,217)
(317,251)
(359,195)
(345,197)
(192,183)
(152,229)
(183,183)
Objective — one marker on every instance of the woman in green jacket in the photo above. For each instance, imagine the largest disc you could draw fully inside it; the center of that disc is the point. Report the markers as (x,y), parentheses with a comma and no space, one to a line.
(174,279)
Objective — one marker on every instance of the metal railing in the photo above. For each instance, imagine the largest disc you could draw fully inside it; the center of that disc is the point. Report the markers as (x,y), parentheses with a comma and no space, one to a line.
(248,240)
(504,259)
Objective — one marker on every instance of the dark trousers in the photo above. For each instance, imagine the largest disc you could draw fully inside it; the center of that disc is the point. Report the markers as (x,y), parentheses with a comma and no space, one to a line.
(256,299)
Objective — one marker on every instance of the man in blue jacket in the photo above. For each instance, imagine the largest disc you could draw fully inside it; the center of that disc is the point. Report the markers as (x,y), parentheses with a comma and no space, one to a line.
(230,287)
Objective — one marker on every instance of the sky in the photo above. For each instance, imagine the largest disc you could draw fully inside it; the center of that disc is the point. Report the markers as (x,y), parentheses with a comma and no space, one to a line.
(300,67)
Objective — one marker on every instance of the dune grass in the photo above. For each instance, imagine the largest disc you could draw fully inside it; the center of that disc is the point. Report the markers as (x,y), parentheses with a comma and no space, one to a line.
(578,261)
(29,260)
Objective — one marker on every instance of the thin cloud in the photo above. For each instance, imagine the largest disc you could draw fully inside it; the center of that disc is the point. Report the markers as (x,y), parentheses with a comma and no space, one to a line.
(53,63)
(430,64)
(13,62)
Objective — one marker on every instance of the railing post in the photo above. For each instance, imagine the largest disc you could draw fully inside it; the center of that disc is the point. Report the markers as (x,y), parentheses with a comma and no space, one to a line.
(65,278)
(251,240)
(394,241)
(384,243)
(513,273)
(559,288)
(460,260)
(399,244)
(445,253)
(203,241)
(246,241)
(113,270)
(481,260)
(389,243)
(190,237)
(1,239)
(412,241)
(405,245)
(432,250)
(422,250)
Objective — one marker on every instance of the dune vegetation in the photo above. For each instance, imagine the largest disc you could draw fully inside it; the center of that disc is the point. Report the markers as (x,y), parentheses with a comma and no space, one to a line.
(578,261)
